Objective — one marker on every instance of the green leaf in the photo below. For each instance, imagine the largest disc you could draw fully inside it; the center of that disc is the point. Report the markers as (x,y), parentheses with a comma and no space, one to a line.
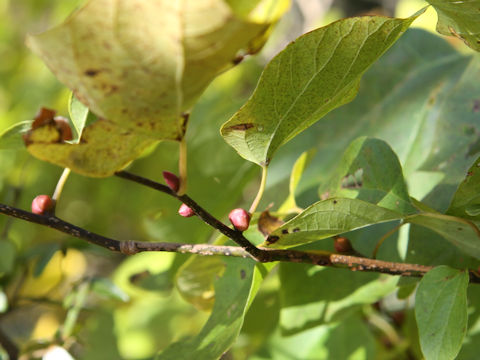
(369,170)
(466,201)
(8,252)
(140,65)
(460,232)
(297,172)
(234,292)
(441,312)
(312,295)
(315,74)
(107,289)
(348,340)
(79,114)
(460,19)
(195,280)
(327,218)
(11,138)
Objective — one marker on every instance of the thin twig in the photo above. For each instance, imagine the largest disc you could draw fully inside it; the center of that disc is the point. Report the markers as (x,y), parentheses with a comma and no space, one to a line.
(203,214)
(322,258)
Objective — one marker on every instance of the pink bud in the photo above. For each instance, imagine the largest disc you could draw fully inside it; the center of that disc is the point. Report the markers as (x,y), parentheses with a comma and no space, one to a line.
(185,211)
(42,204)
(172,180)
(240,219)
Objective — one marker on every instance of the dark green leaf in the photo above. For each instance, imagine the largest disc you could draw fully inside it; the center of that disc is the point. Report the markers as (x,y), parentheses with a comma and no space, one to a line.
(327,218)
(466,201)
(369,170)
(312,295)
(460,232)
(441,312)
(460,19)
(8,252)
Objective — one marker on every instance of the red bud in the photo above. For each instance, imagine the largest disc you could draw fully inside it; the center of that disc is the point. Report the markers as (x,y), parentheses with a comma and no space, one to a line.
(185,211)
(240,219)
(42,204)
(172,180)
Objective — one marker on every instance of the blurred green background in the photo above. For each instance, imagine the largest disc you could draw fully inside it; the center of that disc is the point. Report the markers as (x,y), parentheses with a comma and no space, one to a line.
(44,275)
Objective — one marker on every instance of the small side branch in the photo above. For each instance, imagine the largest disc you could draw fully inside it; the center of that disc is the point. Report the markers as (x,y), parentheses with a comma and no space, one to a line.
(203,214)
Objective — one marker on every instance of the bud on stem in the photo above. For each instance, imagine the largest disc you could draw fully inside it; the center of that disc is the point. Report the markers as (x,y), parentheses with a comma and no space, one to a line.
(185,211)
(240,219)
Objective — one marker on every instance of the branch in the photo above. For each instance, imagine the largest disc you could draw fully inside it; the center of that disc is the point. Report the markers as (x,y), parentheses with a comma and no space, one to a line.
(237,236)
(322,258)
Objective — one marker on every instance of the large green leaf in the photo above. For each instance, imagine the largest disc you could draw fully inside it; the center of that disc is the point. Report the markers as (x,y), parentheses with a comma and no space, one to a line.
(141,64)
(315,74)
(308,298)
(327,218)
(441,312)
(348,340)
(460,232)
(234,292)
(466,201)
(369,170)
(460,19)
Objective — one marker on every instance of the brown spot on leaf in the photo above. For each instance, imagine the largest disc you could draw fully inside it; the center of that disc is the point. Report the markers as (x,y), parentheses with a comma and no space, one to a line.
(240,127)
(91,72)
(296,230)
(243,274)
(268,223)
(272,239)
(238,59)
(335,202)
(284,231)
(476,105)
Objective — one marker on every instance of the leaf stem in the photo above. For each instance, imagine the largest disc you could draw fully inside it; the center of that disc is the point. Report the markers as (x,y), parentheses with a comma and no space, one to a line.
(261,190)
(60,184)
(385,237)
(182,166)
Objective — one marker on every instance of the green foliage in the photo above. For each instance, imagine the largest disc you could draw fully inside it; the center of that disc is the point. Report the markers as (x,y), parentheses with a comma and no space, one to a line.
(460,19)
(393,139)
(327,218)
(369,170)
(317,73)
(441,312)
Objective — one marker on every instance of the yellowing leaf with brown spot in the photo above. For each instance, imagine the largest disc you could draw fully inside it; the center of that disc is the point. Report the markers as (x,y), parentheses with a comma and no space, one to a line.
(142,64)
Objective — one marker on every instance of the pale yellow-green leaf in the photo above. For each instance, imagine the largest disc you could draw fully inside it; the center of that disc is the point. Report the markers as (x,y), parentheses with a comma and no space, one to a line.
(298,168)
(103,149)
(142,64)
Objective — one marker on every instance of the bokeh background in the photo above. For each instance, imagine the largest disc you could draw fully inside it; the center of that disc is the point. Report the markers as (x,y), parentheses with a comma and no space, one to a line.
(57,290)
